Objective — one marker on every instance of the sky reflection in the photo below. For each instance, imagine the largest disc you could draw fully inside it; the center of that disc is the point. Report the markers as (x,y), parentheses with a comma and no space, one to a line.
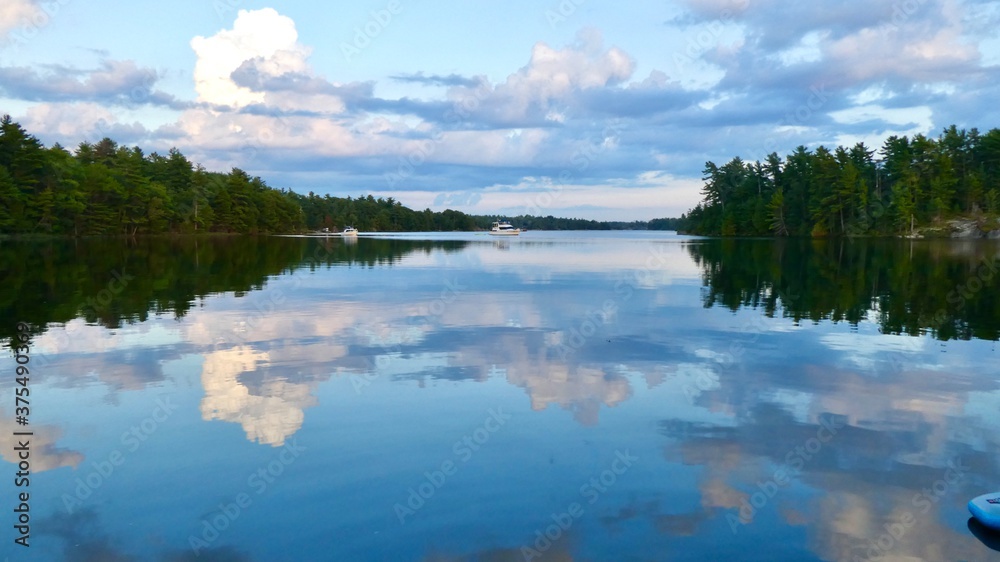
(758,436)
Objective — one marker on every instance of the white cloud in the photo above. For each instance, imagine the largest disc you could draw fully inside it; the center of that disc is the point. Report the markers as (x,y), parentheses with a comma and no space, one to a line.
(549,84)
(70,120)
(269,417)
(45,453)
(911,53)
(266,109)
(19,13)
(263,36)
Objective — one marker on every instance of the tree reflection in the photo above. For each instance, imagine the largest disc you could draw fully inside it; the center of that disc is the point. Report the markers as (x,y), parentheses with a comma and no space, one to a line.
(948,289)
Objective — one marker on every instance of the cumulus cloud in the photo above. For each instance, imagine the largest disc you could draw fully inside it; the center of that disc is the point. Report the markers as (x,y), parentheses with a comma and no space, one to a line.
(265,37)
(844,46)
(540,118)
(550,84)
(771,76)
(18,13)
(901,51)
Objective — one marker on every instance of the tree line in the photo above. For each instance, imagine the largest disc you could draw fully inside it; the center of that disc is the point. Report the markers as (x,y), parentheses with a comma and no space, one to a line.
(104,188)
(376,214)
(908,183)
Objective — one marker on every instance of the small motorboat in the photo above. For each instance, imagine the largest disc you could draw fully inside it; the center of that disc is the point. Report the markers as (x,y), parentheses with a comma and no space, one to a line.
(350,231)
(504,228)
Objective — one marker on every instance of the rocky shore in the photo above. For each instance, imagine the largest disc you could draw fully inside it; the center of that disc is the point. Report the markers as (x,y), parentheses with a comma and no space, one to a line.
(963,228)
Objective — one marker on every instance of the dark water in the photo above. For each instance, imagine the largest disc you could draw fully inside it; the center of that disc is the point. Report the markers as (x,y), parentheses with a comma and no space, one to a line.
(633,396)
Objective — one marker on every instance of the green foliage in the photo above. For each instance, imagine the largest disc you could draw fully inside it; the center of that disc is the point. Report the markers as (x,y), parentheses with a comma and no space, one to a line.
(109,189)
(371,214)
(846,192)
(668,224)
(993,201)
(776,213)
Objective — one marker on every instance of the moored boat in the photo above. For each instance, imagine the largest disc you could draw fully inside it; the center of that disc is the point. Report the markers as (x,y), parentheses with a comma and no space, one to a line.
(504,228)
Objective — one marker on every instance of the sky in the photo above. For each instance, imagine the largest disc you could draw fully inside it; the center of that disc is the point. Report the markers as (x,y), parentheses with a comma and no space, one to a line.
(571,108)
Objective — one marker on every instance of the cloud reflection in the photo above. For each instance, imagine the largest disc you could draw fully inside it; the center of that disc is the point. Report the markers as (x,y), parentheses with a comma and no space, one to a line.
(268,416)
(45,454)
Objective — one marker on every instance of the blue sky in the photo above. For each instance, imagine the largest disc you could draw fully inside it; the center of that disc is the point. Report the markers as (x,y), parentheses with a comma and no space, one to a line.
(571,108)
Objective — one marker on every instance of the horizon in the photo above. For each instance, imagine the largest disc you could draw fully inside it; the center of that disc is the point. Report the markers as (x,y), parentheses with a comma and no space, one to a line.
(569,109)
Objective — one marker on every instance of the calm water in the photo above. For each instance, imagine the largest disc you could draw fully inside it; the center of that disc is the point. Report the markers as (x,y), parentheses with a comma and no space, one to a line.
(562,396)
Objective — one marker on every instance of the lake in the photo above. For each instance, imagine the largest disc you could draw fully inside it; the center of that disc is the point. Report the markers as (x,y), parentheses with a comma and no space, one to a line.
(566,396)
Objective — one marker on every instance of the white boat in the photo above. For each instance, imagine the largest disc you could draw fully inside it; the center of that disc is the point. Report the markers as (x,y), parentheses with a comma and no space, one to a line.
(504,228)
(350,231)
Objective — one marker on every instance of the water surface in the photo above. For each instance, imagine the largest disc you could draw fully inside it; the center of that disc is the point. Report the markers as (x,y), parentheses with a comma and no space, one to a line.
(448,397)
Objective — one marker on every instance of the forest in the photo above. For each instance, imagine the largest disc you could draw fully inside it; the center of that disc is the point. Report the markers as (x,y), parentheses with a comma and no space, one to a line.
(108,189)
(104,188)
(907,184)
